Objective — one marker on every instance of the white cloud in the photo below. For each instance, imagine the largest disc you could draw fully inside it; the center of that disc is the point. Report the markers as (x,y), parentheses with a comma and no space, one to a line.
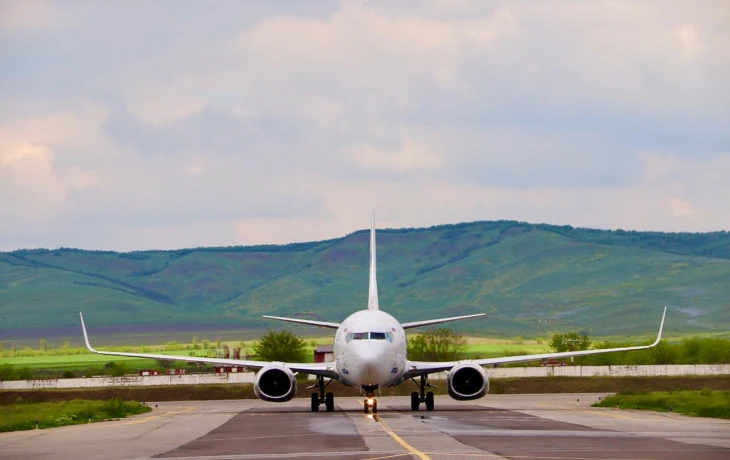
(266,123)
(410,157)
(24,15)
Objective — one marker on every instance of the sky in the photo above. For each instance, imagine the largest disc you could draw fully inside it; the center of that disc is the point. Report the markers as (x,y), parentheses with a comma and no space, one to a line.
(170,124)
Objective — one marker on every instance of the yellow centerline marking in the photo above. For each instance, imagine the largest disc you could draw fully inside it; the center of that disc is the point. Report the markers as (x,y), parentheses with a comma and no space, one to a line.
(400,440)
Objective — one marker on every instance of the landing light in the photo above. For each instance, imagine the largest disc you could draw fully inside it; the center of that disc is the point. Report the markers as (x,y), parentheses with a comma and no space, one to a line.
(370,401)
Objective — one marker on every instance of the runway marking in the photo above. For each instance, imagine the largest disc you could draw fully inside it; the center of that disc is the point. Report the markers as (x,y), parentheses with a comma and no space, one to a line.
(289,455)
(387,456)
(400,440)
(597,412)
(153,417)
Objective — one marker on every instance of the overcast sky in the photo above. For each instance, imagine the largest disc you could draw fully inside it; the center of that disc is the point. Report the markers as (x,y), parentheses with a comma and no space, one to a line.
(168,124)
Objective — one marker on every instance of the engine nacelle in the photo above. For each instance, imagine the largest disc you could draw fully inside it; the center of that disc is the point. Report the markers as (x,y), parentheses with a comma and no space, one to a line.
(275,383)
(467,381)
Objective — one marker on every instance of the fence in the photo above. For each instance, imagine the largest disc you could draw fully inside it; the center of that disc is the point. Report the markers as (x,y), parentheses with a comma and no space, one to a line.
(496,373)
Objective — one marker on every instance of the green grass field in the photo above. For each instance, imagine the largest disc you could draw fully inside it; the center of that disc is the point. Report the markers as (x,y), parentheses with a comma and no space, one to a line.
(23,415)
(703,403)
(88,360)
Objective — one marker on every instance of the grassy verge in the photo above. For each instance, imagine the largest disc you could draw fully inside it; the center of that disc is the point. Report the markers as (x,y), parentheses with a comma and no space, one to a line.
(497,386)
(23,415)
(703,403)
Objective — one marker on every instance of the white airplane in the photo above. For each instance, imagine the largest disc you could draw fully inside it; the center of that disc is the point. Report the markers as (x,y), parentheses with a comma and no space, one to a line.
(370,354)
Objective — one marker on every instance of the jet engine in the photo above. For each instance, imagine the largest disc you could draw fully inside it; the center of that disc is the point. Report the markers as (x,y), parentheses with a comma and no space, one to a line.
(467,381)
(275,383)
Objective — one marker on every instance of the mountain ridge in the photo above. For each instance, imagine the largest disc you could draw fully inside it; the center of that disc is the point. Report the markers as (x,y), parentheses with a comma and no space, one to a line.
(526,276)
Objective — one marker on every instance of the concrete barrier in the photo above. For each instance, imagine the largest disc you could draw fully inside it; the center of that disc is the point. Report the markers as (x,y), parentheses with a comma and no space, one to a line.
(130,380)
(496,373)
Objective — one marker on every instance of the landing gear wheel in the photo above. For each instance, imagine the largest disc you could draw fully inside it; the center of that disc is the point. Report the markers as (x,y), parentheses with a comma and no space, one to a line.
(415,401)
(365,407)
(429,400)
(329,402)
(375,406)
(315,402)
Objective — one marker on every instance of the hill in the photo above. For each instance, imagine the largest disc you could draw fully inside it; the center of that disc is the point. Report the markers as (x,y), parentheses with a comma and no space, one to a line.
(530,279)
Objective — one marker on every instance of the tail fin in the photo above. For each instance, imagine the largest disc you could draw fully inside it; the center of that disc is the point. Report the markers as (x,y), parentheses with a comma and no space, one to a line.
(373,293)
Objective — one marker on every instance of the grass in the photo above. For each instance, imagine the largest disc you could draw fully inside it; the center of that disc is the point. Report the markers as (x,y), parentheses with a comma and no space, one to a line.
(702,403)
(84,360)
(23,415)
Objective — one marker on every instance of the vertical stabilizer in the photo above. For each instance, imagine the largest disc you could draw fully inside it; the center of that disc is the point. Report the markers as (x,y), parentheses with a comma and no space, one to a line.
(373,293)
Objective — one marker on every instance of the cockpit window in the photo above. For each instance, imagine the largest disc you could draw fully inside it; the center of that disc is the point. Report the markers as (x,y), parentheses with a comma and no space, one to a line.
(369,335)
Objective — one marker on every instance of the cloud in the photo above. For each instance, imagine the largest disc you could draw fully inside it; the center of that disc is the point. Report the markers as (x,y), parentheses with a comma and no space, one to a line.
(265,123)
(26,15)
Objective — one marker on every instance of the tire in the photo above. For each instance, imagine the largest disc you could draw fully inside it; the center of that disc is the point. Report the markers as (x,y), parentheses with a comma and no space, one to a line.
(429,400)
(375,406)
(415,401)
(315,402)
(329,402)
(365,407)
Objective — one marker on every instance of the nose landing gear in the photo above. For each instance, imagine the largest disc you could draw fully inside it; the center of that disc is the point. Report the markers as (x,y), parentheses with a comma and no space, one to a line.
(423,397)
(370,404)
(321,398)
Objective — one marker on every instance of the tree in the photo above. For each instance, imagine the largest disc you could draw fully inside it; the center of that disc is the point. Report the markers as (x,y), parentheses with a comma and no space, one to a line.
(441,344)
(117,368)
(165,363)
(280,346)
(570,341)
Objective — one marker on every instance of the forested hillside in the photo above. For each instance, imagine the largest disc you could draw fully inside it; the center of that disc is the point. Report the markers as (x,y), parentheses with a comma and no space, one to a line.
(530,279)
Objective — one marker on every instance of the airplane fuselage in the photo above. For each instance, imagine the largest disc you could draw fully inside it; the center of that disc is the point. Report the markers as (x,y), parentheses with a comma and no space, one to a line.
(370,350)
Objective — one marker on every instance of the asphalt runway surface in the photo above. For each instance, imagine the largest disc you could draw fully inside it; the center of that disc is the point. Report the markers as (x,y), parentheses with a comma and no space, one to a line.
(524,427)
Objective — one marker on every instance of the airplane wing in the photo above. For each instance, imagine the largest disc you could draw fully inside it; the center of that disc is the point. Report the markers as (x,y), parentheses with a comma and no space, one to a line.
(324,369)
(438,321)
(305,321)
(417,368)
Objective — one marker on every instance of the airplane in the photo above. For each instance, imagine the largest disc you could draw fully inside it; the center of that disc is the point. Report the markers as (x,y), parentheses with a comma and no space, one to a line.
(370,354)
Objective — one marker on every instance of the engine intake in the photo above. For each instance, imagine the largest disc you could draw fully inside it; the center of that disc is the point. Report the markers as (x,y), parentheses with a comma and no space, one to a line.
(467,381)
(275,383)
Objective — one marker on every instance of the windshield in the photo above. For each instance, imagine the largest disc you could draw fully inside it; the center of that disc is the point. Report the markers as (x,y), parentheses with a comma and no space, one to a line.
(369,336)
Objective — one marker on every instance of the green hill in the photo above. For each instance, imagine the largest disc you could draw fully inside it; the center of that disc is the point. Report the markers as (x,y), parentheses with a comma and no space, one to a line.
(530,279)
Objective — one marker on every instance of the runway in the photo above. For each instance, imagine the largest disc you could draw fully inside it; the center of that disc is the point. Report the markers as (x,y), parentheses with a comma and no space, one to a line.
(524,427)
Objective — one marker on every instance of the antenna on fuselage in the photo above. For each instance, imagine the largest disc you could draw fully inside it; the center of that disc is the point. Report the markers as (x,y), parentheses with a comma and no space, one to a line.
(373,292)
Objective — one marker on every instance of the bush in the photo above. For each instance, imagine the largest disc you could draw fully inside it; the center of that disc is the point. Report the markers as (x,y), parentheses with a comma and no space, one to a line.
(7,372)
(24,373)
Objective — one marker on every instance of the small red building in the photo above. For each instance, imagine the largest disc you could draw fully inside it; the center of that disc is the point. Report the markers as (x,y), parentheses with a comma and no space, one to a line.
(323,354)
(144,373)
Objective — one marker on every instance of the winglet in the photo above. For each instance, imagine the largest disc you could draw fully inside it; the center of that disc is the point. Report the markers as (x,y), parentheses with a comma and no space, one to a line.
(373,292)
(661,328)
(86,336)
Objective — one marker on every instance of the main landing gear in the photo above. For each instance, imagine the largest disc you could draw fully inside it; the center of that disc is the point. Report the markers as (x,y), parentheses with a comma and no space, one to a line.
(321,398)
(422,397)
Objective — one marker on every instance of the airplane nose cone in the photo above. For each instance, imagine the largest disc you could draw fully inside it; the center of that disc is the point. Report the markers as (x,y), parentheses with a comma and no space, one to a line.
(368,365)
